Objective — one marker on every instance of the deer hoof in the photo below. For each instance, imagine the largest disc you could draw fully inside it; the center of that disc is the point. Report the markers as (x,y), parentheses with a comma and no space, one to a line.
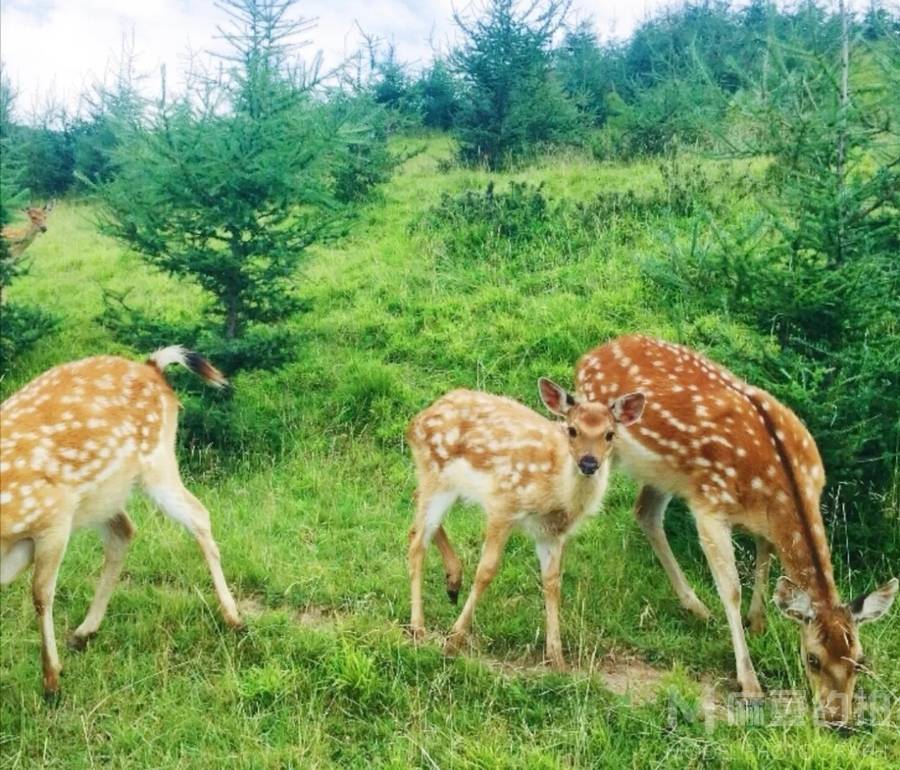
(79,642)
(756,624)
(417,633)
(51,689)
(697,608)
(454,644)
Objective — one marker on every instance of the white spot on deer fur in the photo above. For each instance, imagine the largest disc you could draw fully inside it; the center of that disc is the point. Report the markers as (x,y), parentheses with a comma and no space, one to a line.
(702,462)
(634,369)
(756,483)
(726,498)
(5,497)
(19,526)
(741,452)
(730,472)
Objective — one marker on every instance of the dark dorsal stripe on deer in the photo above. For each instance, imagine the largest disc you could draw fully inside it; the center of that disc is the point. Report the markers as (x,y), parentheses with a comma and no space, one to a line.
(739,458)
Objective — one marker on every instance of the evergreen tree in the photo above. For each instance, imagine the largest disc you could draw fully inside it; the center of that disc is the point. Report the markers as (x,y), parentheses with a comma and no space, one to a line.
(228,186)
(511,102)
(438,97)
(583,72)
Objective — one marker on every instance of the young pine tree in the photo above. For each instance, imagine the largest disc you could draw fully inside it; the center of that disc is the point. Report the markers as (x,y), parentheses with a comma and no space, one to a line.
(512,104)
(227,186)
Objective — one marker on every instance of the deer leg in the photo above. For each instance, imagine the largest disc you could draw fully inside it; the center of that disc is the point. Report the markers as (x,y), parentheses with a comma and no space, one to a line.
(757,614)
(550,556)
(176,501)
(452,564)
(48,555)
(491,552)
(117,535)
(14,559)
(715,537)
(430,511)
(649,510)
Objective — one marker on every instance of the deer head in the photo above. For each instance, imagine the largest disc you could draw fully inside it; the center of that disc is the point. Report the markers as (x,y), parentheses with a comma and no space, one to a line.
(590,426)
(38,215)
(829,642)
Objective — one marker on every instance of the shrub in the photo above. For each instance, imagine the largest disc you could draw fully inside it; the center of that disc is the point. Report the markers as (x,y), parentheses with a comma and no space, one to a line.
(512,104)
(524,228)
(21,326)
(437,93)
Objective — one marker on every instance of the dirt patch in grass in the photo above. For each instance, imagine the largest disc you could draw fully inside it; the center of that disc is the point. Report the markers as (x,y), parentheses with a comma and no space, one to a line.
(622,673)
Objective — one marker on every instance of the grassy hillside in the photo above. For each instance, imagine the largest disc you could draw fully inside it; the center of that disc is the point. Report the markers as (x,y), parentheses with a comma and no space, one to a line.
(312,518)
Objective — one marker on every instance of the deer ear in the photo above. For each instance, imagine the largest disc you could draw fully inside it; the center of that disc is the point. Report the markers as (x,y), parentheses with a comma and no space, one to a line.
(793,601)
(555,398)
(628,409)
(871,606)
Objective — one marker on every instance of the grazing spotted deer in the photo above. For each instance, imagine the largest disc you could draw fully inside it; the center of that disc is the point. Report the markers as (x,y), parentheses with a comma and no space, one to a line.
(739,458)
(20,237)
(74,441)
(524,470)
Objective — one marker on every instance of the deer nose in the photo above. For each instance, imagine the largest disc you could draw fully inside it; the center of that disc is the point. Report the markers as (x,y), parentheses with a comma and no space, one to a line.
(588,465)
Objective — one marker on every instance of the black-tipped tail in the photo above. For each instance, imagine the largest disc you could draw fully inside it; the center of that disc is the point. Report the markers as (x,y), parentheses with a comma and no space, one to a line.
(176,354)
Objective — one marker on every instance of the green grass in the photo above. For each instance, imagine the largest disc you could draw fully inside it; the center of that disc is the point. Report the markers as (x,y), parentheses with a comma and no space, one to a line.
(312,529)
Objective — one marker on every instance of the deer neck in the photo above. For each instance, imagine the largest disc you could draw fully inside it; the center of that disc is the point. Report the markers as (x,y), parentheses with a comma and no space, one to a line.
(20,240)
(806,558)
(580,494)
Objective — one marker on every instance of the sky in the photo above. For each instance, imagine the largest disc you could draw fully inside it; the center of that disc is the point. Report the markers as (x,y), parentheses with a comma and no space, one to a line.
(58,48)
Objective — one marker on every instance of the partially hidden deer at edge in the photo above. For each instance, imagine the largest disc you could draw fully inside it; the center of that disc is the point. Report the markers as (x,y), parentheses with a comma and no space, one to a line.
(524,470)
(73,443)
(738,458)
(20,237)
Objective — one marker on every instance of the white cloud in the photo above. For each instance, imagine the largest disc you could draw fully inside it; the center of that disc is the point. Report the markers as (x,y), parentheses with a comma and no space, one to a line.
(59,47)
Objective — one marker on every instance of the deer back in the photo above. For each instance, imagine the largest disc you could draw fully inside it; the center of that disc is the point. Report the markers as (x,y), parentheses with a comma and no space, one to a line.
(75,436)
(727,447)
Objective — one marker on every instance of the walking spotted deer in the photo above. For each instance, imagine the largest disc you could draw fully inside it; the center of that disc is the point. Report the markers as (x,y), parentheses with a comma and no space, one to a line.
(524,470)
(73,442)
(739,458)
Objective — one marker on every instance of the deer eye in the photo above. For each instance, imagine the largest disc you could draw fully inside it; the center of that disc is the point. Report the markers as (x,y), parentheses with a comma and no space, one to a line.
(610,436)
(572,432)
(813,662)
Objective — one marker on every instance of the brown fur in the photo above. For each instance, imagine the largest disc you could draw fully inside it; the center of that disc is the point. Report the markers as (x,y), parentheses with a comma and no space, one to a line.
(739,458)
(73,442)
(523,469)
(20,237)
